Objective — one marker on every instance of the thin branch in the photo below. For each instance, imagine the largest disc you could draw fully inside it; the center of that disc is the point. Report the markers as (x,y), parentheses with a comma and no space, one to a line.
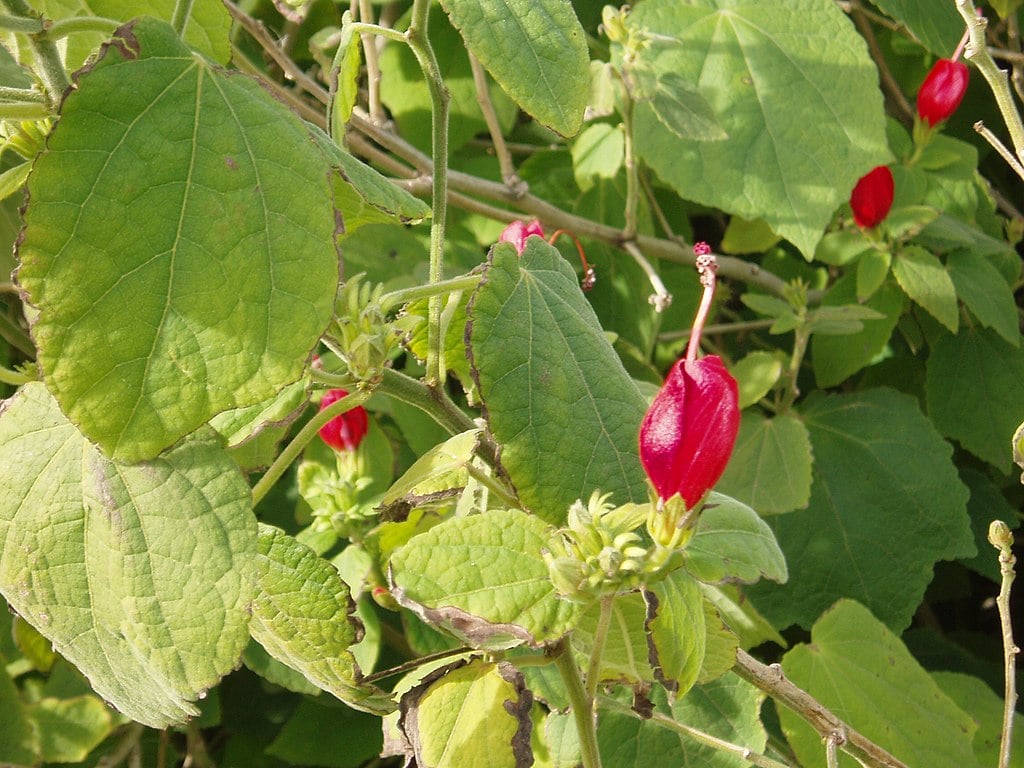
(370,56)
(998,81)
(889,84)
(180,16)
(1001,538)
(291,70)
(661,298)
(772,681)
(998,146)
(680,253)
(483,97)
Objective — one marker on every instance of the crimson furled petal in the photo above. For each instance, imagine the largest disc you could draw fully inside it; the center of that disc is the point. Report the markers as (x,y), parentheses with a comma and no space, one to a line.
(942,91)
(517,232)
(689,431)
(344,432)
(872,197)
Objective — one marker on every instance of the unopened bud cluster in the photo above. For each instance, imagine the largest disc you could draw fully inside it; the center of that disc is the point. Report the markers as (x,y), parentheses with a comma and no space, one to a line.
(600,551)
(361,334)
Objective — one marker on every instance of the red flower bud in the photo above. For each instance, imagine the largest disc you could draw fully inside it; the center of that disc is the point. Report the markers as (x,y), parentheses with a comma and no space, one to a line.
(942,91)
(344,432)
(517,232)
(689,432)
(871,199)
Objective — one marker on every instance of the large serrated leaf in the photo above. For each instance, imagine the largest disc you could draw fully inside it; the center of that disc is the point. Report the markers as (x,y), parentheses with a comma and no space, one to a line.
(733,544)
(975,392)
(796,144)
(140,575)
(857,667)
(925,280)
(676,632)
(19,741)
(727,708)
(770,468)
(937,25)
(985,292)
(484,579)
(535,49)
(474,715)
(886,505)
(303,616)
(558,400)
(179,244)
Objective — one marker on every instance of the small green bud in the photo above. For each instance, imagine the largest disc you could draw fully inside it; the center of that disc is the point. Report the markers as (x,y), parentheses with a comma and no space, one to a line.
(999,535)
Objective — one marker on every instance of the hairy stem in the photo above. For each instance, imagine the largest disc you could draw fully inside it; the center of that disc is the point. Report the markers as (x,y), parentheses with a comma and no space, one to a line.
(301,440)
(416,37)
(70,26)
(997,78)
(369,44)
(431,401)
(582,704)
(402,296)
(604,622)
(180,16)
(50,66)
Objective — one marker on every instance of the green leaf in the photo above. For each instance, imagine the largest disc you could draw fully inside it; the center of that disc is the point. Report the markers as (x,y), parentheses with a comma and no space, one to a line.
(741,617)
(303,617)
(681,109)
(537,52)
(770,468)
(872,269)
(676,630)
(727,708)
(742,236)
(937,25)
(756,374)
(474,715)
(733,544)
(441,469)
(741,57)
(857,667)
(334,737)
(242,425)
(69,729)
(626,652)
(975,392)
(886,505)
(925,280)
(483,578)
(982,288)
(171,189)
(373,189)
(985,708)
(557,398)
(140,575)
(273,671)
(19,739)
(208,30)
(720,644)
(597,152)
(836,358)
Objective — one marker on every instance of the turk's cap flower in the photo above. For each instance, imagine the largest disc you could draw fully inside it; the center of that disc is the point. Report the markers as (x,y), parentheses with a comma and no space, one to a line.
(872,197)
(689,432)
(517,232)
(942,91)
(344,432)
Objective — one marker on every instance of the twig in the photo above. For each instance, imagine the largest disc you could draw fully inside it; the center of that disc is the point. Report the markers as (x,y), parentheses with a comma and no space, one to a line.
(997,79)
(998,146)
(582,704)
(483,98)
(291,70)
(1001,538)
(771,680)
(661,298)
(831,757)
(369,43)
(889,84)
